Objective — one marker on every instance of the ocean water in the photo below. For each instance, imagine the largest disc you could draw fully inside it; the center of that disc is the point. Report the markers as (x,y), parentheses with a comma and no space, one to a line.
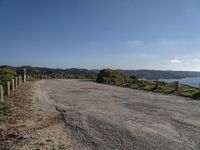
(194,82)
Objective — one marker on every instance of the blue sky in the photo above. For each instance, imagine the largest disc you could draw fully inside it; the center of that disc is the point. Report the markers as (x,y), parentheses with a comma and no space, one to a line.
(125,34)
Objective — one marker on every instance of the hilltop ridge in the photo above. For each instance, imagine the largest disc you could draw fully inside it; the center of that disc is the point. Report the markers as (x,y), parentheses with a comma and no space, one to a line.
(144,74)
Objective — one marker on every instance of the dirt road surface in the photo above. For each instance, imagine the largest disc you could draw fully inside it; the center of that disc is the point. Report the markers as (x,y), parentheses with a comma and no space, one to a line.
(84,115)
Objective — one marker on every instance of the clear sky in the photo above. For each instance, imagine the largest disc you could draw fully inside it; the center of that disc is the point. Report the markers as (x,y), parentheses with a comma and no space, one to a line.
(123,34)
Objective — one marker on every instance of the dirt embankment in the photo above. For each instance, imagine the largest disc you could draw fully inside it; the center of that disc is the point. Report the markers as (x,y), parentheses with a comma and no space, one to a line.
(29,122)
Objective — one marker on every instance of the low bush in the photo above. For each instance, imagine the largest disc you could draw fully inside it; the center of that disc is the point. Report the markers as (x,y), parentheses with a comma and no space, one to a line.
(6,75)
(112,75)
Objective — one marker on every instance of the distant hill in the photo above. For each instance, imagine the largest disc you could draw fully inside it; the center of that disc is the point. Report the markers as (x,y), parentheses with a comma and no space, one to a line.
(158,74)
(44,70)
(142,74)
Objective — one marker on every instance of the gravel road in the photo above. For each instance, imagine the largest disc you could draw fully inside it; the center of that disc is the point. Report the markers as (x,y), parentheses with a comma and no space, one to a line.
(97,116)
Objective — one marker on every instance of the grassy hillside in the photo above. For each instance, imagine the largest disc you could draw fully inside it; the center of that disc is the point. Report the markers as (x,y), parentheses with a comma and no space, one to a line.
(108,76)
(158,74)
(168,88)
(49,71)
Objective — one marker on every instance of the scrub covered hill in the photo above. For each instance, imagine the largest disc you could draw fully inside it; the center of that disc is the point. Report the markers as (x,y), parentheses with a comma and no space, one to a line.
(47,71)
(142,74)
(161,74)
(108,76)
(115,76)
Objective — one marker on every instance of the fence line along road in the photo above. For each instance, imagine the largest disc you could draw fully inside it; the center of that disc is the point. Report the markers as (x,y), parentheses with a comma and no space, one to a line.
(13,84)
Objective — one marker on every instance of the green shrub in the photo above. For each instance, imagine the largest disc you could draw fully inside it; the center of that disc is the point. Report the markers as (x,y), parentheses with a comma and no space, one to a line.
(6,75)
(108,74)
(188,91)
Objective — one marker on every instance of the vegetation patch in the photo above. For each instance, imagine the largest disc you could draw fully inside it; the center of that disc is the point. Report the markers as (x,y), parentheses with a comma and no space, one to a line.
(117,77)
(110,77)
(6,75)
(188,91)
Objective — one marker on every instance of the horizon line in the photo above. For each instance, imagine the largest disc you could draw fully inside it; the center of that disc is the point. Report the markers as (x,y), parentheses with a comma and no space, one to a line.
(98,68)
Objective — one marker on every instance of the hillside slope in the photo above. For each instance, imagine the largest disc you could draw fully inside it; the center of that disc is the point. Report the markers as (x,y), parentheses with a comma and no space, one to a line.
(159,74)
(142,74)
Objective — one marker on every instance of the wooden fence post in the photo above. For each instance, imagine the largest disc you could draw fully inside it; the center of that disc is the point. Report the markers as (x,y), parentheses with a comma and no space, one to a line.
(157,84)
(12,85)
(16,84)
(24,76)
(176,85)
(19,80)
(142,82)
(1,93)
(8,87)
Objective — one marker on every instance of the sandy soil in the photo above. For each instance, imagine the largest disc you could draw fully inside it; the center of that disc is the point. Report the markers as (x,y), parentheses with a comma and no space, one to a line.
(81,114)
